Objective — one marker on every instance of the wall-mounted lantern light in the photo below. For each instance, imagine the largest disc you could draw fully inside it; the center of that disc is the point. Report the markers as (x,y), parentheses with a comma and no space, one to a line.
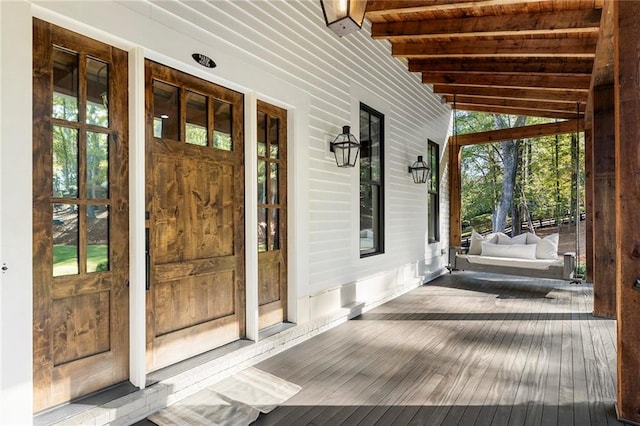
(344,16)
(346,148)
(420,171)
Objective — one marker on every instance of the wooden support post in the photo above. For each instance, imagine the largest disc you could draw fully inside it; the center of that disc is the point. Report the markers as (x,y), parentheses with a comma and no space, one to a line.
(455,201)
(627,153)
(588,200)
(604,223)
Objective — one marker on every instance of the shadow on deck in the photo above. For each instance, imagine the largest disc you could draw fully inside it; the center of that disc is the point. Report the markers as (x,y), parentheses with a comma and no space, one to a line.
(466,349)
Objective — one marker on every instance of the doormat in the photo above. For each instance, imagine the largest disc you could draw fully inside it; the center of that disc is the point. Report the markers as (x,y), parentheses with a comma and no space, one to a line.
(237,400)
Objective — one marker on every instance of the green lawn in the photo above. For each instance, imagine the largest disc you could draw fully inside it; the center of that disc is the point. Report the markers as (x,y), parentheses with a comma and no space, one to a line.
(65,259)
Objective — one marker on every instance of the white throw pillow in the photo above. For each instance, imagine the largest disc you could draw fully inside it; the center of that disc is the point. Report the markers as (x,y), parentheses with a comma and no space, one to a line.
(518,239)
(519,251)
(476,242)
(547,247)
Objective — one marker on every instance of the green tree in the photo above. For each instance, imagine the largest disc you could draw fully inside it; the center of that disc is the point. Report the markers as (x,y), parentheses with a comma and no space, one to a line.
(521,180)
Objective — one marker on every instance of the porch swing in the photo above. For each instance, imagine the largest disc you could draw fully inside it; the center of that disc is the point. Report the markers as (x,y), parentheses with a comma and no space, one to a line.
(525,255)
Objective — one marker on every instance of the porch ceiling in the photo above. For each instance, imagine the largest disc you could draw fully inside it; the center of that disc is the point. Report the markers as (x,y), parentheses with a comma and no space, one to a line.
(526,57)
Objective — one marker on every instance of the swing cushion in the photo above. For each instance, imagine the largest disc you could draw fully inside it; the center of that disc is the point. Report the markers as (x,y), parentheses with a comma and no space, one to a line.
(504,239)
(475,246)
(517,251)
(547,247)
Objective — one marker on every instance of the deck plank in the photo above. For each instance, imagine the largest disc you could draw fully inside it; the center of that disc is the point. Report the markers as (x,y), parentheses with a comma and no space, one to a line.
(565,391)
(467,349)
(504,373)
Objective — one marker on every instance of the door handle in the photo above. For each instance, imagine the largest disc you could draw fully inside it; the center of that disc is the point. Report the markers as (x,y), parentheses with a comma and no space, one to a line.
(147,259)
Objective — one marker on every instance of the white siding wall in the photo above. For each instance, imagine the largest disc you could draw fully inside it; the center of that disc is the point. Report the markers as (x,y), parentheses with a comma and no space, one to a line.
(288,40)
(278,51)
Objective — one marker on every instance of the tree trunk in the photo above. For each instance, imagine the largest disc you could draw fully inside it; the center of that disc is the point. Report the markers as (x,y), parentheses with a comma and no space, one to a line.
(509,151)
(509,162)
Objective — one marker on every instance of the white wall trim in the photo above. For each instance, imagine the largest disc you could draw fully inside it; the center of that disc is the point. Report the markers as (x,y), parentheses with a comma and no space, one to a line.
(16,233)
(251,214)
(137,206)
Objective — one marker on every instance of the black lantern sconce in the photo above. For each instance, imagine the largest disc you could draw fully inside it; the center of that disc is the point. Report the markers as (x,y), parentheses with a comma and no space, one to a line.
(344,16)
(420,171)
(346,148)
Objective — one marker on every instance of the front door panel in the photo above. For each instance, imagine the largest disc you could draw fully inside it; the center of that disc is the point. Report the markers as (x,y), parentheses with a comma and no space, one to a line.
(80,216)
(195,199)
(272,214)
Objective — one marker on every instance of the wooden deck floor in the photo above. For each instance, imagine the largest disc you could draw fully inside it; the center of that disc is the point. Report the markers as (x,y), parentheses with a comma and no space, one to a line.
(466,349)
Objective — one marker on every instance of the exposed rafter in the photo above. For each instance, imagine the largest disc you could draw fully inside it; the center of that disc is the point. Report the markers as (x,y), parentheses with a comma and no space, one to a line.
(557,95)
(537,47)
(389,7)
(510,80)
(495,109)
(566,22)
(534,105)
(565,66)
(513,133)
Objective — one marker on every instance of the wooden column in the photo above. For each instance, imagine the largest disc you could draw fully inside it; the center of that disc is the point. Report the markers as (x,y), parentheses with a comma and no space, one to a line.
(604,201)
(627,152)
(588,199)
(455,201)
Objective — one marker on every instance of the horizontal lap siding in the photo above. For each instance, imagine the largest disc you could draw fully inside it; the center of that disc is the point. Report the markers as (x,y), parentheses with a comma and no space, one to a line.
(291,41)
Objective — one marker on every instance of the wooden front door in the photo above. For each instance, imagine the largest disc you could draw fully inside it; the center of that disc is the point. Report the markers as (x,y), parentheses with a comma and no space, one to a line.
(195,203)
(80,216)
(272,214)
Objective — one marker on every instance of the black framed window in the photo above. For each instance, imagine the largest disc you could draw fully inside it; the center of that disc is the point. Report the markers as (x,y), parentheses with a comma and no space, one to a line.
(371,181)
(433,197)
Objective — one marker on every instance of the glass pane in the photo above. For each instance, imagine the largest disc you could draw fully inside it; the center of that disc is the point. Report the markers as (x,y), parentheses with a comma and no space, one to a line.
(365,158)
(65,85)
(97,165)
(375,216)
(97,93)
(262,134)
(273,198)
(196,126)
(262,182)
(375,148)
(65,239)
(157,127)
(366,218)
(166,108)
(273,137)
(364,125)
(262,230)
(274,229)
(433,156)
(369,208)
(433,220)
(65,162)
(222,125)
(97,238)
(334,9)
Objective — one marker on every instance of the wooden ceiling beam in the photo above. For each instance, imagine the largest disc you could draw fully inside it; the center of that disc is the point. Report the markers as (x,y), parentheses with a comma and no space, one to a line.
(580,82)
(542,105)
(384,7)
(496,109)
(543,48)
(603,67)
(514,133)
(557,95)
(494,65)
(388,7)
(563,22)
